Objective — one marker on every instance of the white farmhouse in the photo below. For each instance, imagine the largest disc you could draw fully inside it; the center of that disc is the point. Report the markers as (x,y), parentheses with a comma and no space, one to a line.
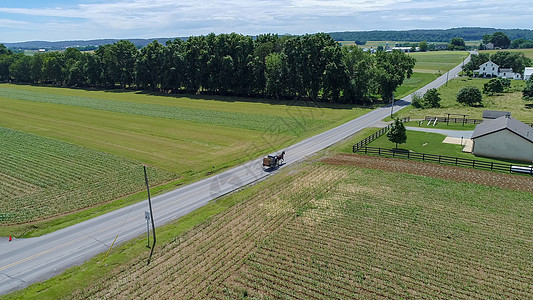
(504,137)
(528,71)
(490,69)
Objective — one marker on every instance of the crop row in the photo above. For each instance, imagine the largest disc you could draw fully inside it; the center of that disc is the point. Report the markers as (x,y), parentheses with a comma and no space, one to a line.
(328,233)
(196,265)
(358,245)
(42,177)
(289,125)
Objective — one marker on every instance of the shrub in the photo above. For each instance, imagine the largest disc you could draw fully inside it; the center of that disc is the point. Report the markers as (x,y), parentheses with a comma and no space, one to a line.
(496,85)
(417,101)
(527,93)
(469,95)
(432,99)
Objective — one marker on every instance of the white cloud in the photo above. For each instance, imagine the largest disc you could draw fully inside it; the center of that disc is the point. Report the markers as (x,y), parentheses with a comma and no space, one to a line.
(156,18)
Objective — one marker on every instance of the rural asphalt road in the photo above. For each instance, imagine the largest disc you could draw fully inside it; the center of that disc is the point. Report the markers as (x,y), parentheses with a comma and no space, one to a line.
(26,261)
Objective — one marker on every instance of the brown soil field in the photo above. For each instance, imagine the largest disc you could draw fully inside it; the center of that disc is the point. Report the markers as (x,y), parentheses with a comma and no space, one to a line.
(323,231)
(517,182)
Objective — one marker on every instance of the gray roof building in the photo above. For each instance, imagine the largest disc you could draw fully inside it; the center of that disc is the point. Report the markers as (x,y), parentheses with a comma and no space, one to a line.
(503,123)
(503,138)
(495,114)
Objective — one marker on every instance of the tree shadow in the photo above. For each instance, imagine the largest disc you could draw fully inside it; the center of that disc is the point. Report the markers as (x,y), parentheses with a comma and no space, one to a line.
(298,102)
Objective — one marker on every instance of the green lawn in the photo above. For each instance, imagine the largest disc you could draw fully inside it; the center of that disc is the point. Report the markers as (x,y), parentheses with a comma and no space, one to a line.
(431,143)
(440,125)
(511,101)
(423,142)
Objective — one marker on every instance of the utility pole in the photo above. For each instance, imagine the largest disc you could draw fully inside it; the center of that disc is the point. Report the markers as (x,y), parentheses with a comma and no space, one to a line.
(151,213)
(392,105)
(147,217)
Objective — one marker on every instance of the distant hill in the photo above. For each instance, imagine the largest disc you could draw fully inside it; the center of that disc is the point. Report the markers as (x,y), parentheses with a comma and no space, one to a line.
(430,35)
(67,44)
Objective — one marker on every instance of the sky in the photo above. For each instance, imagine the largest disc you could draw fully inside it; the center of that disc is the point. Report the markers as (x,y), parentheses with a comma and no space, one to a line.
(59,20)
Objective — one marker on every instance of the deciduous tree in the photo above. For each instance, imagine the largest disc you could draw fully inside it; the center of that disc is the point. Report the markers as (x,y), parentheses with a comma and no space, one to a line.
(423,46)
(469,95)
(500,40)
(390,71)
(496,85)
(397,133)
(432,99)
(527,93)
(457,43)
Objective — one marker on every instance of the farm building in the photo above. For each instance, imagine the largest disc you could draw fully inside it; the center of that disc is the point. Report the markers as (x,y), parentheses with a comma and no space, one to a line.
(504,137)
(490,69)
(528,71)
(495,114)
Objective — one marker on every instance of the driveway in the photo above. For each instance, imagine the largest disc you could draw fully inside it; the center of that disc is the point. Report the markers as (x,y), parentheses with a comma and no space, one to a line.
(466,134)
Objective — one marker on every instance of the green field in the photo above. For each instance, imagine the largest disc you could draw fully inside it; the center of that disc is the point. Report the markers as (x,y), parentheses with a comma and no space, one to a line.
(511,101)
(437,62)
(527,52)
(42,178)
(330,232)
(429,66)
(99,139)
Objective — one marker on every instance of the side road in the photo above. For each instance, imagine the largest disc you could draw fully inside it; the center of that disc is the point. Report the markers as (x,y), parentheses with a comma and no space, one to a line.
(26,261)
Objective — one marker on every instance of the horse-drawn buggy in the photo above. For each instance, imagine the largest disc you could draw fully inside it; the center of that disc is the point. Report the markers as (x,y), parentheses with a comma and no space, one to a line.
(273,161)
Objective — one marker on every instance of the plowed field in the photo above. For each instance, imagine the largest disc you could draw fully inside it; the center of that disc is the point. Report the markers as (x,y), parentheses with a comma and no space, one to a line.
(509,181)
(325,231)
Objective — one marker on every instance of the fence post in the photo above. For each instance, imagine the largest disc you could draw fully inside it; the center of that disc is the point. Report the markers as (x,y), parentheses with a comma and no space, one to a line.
(407,154)
(366,148)
(423,157)
(379,151)
(439,159)
(473,163)
(491,165)
(456,161)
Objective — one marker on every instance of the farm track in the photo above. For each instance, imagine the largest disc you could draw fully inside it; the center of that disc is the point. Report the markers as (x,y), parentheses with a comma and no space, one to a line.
(327,234)
(459,174)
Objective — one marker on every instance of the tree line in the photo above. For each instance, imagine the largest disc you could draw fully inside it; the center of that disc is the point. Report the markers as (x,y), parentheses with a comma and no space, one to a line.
(431,35)
(310,66)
